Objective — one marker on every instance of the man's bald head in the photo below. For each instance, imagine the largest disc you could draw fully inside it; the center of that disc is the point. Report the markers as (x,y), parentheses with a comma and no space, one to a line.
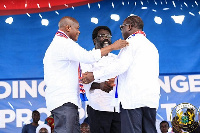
(70,27)
(66,21)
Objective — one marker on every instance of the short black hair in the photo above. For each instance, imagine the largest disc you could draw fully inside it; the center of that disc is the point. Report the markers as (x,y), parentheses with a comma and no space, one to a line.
(164,122)
(135,21)
(96,30)
(35,111)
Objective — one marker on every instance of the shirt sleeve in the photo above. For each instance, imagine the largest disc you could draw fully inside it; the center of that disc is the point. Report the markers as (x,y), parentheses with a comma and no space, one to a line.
(86,67)
(119,66)
(73,51)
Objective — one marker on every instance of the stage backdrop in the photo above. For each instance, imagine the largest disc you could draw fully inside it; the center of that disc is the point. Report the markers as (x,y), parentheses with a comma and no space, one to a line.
(173,26)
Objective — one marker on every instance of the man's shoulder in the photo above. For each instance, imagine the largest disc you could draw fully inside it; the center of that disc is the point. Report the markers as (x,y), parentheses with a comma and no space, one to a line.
(62,40)
(28,125)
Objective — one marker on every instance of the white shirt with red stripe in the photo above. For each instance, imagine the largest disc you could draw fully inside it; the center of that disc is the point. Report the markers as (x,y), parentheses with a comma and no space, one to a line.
(138,68)
(98,99)
(61,63)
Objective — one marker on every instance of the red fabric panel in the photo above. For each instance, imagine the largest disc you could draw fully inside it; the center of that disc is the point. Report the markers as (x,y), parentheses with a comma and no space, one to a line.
(12,7)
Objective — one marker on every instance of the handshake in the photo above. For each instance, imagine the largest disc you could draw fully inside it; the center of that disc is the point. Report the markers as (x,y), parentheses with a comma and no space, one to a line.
(106,86)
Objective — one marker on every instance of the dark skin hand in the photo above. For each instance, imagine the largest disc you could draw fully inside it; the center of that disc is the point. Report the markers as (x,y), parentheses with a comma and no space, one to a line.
(87,77)
(106,86)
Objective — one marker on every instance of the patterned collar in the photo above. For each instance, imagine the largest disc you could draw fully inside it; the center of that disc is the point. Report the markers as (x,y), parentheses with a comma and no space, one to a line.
(137,32)
(61,34)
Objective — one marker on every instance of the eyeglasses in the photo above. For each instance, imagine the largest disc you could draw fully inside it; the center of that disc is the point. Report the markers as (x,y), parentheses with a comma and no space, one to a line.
(105,35)
(122,26)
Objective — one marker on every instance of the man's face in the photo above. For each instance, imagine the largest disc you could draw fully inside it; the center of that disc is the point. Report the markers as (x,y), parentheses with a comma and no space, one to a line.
(74,31)
(125,30)
(164,127)
(36,116)
(85,128)
(103,39)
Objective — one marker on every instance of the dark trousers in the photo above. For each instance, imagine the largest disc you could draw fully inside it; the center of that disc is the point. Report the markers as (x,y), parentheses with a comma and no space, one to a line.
(66,119)
(139,120)
(103,122)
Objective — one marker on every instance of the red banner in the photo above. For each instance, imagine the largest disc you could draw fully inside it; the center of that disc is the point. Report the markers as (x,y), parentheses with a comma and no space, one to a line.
(13,7)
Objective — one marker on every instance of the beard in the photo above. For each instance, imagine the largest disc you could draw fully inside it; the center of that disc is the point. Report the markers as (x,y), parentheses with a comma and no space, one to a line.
(105,43)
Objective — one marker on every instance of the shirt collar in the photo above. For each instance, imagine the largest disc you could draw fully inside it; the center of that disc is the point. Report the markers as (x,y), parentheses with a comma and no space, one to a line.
(137,32)
(61,34)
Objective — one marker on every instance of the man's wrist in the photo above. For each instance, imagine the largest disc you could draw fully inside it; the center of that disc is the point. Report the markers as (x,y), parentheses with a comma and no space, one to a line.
(95,85)
(111,48)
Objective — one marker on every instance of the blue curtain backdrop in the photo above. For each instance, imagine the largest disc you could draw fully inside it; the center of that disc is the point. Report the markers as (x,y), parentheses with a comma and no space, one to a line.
(24,42)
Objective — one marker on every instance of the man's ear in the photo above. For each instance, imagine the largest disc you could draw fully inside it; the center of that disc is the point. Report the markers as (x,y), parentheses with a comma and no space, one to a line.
(67,28)
(94,40)
(130,27)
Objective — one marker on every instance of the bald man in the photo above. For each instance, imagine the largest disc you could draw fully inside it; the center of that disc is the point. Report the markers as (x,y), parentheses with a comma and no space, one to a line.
(61,63)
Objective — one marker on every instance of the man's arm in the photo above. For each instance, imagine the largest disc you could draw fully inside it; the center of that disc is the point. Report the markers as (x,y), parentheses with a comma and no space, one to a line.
(117,67)
(77,53)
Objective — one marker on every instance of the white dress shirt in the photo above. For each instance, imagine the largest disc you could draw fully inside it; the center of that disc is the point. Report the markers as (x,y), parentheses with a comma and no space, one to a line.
(98,99)
(138,69)
(61,63)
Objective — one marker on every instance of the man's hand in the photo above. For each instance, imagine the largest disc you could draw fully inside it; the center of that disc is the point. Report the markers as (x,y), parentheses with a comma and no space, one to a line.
(107,86)
(119,44)
(87,77)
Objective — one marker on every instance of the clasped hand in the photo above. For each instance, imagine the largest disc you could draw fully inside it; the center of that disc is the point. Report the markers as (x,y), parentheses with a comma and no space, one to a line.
(107,86)
(87,77)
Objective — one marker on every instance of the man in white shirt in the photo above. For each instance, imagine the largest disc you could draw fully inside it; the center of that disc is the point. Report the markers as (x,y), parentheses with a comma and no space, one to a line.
(61,63)
(103,115)
(138,88)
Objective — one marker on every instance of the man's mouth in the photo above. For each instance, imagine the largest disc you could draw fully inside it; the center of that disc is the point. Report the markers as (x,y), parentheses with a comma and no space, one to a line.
(105,44)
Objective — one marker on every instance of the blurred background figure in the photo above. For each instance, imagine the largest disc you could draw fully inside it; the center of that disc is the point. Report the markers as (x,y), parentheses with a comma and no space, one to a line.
(85,128)
(31,128)
(50,121)
(164,127)
(43,128)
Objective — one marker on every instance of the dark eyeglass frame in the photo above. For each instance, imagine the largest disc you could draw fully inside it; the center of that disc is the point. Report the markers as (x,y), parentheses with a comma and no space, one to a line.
(122,26)
(104,35)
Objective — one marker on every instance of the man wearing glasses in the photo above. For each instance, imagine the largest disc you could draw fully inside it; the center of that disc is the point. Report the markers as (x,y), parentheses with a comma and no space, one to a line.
(103,114)
(137,67)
